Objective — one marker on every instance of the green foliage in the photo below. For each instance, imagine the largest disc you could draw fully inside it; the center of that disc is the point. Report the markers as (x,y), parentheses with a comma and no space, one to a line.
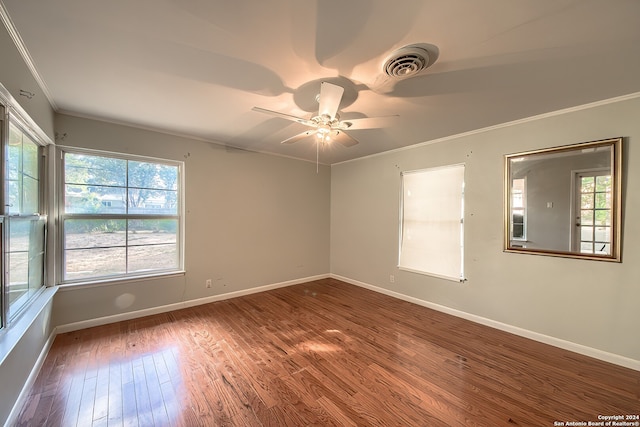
(75,226)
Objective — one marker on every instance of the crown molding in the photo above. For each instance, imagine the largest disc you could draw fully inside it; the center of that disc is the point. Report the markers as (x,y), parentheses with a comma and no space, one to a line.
(555,113)
(26,56)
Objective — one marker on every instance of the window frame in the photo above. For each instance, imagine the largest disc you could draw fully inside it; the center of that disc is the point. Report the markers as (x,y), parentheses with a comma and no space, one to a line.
(13,114)
(62,216)
(460,277)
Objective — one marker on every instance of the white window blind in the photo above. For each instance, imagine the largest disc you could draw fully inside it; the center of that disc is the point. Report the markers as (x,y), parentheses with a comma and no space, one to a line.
(431,235)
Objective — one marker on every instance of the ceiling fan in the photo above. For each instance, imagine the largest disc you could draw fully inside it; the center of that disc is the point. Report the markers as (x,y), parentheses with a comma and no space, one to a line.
(327,125)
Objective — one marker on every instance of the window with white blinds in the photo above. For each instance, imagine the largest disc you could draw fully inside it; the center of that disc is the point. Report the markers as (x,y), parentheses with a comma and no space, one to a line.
(432,222)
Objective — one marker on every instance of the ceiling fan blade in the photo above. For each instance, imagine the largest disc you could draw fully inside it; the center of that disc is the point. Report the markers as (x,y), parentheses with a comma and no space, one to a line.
(343,139)
(284,116)
(330,97)
(368,122)
(298,137)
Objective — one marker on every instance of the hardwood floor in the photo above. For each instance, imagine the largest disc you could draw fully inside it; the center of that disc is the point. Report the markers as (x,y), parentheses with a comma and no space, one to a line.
(323,353)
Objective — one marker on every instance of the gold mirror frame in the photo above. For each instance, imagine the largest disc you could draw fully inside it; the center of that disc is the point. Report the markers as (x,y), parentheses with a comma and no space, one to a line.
(560,201)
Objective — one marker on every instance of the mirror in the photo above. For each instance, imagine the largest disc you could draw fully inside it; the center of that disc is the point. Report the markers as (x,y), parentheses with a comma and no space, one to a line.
(565,201)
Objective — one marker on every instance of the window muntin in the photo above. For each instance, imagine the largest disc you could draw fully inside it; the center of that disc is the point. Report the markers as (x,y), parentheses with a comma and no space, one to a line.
(432,226)
(120,217)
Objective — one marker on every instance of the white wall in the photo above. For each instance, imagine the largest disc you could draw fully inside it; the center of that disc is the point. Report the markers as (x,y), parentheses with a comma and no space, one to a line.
(15,76)
(588,303)
(251,220)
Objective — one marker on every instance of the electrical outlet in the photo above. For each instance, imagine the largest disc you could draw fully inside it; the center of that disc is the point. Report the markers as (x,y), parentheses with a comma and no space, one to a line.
(208,283)
(392,278)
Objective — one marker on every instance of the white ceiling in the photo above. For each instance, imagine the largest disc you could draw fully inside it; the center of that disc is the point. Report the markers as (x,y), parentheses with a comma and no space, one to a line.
(197,67)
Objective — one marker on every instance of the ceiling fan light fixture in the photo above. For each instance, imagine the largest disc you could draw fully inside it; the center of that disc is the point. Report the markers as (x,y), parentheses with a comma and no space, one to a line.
(323,133)
(407,62)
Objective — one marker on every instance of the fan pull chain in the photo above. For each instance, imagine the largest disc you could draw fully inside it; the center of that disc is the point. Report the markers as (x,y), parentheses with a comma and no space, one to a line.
(317,155)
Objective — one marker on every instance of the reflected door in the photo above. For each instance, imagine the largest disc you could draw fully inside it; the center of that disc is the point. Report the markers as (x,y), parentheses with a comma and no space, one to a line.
(593,191)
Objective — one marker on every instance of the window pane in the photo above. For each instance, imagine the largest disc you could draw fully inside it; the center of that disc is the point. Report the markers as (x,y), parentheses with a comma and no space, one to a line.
(518,231)
(30,196)
(94,263)
(25,258)
(586,233)
(18,284)
(13,170)
(29,158)
(152,232)
(587,184)
(21,174)
(94,233)
(153,258)
(603,217)
(18,273)
(19,230)
(603,234)
(14,153)
(586,201)
(518,224)
(603,183)
(586,217)
(152,176)
(153,202)
(586,247)
(94,199)
(153,245)
(85,169)
(603,200)
(13,193)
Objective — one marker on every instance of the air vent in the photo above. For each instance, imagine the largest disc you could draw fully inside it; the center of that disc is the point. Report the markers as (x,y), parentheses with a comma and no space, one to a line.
(407,62)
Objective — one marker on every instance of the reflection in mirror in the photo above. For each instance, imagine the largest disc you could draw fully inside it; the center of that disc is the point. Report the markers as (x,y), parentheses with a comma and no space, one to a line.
(565,201)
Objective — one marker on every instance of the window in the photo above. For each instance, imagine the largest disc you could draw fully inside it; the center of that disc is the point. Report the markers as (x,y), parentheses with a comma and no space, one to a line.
(121,216)
(431,234)
(22,226)
(594,190)
(518,209)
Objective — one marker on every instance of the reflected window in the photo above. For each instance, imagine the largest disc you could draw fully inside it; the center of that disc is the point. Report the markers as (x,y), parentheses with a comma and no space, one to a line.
(518,209)
(594,192)
(121,216)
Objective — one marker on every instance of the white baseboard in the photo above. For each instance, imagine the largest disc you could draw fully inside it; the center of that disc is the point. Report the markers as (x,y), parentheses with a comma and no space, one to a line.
(546,339)
(69,327)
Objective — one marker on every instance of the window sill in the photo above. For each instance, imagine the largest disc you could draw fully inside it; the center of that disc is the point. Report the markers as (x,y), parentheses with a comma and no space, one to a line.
(120,280)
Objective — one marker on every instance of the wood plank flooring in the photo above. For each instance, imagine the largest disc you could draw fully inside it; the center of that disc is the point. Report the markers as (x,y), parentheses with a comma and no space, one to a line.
(324,353)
